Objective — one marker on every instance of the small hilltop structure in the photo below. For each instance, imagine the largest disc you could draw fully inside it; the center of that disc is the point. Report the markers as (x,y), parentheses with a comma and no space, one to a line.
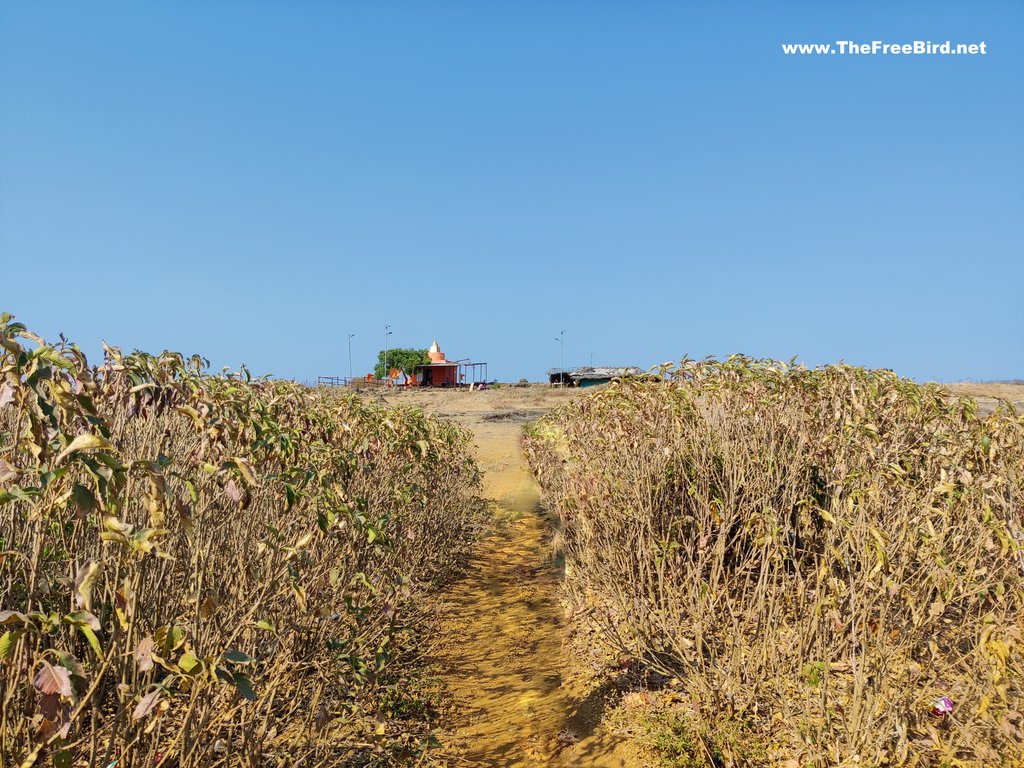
(442,372)
(438,372)
(591,376)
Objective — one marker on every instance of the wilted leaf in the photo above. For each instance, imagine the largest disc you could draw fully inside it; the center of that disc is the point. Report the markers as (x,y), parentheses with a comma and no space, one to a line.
(184,517)
(87,442)
(84,618)
(70,663)
(142,541)
(114,525)
(13,617)
(64,720)
(118,538)
(144,654)
(49,705)
(206,610)
(6,394)
(236,657)
(155,507)
(145,705)
(7,472)
(85,580)
(53,680)
(122,606)
(245,468)
(233,492)
(188,410)
(169,637)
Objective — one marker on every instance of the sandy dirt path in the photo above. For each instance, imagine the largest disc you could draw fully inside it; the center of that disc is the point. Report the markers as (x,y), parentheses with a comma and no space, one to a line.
(501,651)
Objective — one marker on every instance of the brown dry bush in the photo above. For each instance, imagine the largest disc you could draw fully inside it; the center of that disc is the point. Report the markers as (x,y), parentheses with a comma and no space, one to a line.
(816,556)
(209,570)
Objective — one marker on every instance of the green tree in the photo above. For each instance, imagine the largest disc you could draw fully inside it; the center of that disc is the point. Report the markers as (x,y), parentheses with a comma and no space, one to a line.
(403,359)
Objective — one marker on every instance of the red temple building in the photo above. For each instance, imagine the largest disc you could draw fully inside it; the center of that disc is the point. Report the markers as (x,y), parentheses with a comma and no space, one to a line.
(442,372)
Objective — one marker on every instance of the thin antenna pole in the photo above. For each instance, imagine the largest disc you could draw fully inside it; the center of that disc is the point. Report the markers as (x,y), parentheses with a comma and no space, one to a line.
(561,358)
(350,355)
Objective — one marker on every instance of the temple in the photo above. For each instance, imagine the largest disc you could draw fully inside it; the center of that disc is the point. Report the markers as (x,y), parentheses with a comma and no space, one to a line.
(442,372)
(439,372)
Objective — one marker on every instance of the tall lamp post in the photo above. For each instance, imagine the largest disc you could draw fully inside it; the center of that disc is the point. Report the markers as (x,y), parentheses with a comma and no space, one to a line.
(387,332)
(561,358)
(350,356)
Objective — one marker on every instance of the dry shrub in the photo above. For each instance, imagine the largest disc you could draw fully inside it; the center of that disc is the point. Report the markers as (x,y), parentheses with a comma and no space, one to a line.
(209,570)
(816,555)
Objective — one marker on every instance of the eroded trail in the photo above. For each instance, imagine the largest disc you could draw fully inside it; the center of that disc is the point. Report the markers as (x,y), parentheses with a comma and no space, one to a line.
(501,646)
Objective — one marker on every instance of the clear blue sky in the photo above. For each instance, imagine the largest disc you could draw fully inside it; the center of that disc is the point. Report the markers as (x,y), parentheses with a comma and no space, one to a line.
(253,181)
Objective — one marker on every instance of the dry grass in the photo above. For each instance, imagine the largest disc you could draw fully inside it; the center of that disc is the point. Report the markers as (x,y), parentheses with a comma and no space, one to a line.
(809,560)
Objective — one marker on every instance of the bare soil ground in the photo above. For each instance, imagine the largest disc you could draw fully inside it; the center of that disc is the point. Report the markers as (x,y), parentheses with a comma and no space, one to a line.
(988,394)
(518,697)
